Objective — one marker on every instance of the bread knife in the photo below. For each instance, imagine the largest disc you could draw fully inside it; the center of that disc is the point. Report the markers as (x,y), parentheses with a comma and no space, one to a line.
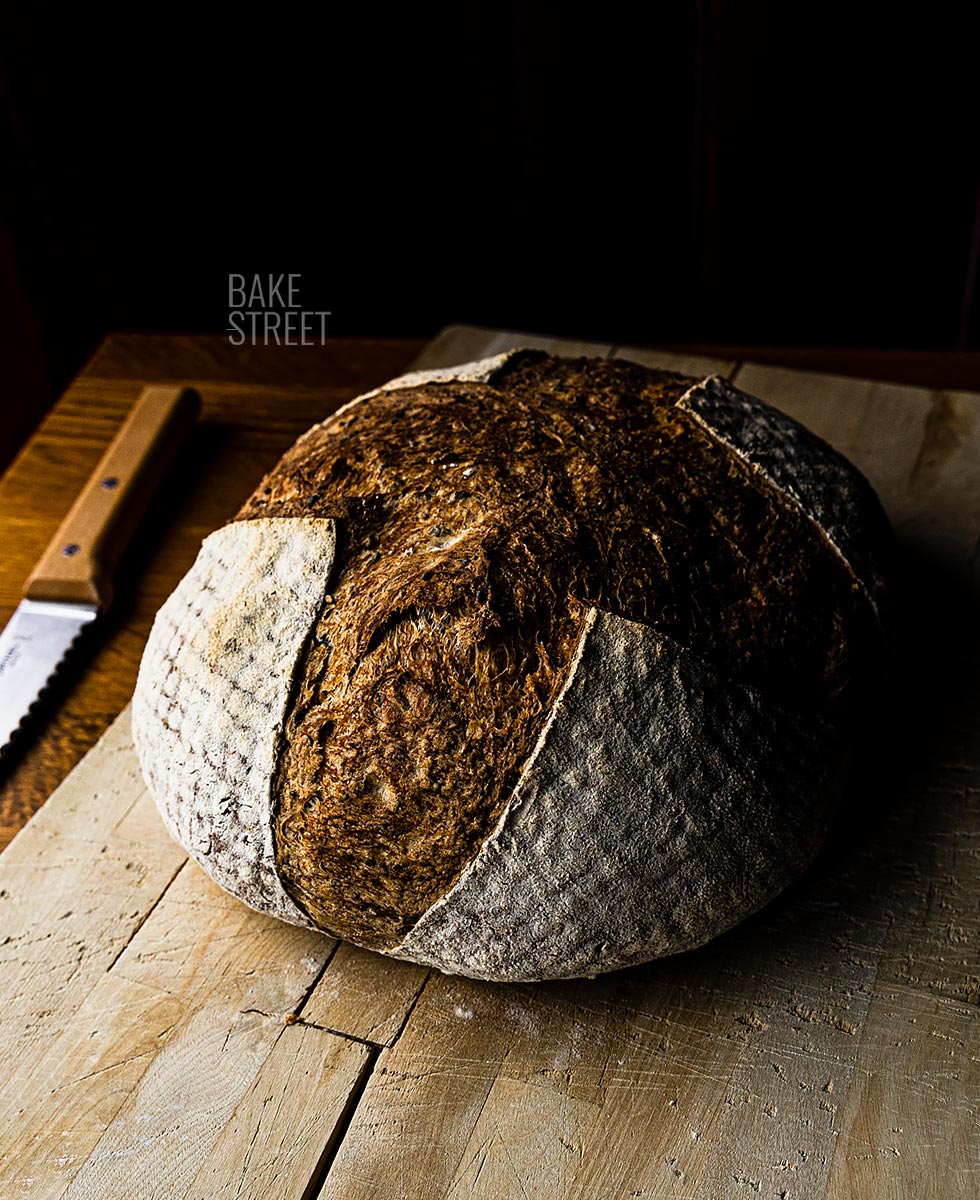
(71,586)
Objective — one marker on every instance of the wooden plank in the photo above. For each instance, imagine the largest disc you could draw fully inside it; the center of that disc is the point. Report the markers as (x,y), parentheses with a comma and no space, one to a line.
(633,1083)
(365,995)
(75,885)
(124,1068)
(414,1128)
(356,363)
(284,1131)
(697,365)
(909,1126)
(150,1067)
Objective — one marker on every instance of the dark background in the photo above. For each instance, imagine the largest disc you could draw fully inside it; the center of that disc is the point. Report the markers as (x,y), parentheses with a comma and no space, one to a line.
(715,172)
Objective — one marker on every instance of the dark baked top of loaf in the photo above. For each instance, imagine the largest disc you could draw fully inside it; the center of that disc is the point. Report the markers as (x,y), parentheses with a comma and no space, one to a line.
(477,523)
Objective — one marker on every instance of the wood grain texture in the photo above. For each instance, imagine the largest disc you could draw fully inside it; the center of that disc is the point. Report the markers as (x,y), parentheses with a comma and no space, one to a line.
(107,510)
(77,883)
(287,1124)
(157,1050)
(364,995)
(160,1039)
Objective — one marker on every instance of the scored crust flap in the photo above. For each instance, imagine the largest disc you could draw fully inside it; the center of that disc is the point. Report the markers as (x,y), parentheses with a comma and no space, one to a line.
(663,804)
(827,487)
(212,694)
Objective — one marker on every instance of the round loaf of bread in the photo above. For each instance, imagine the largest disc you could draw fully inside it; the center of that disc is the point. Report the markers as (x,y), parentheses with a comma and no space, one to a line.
(526,669)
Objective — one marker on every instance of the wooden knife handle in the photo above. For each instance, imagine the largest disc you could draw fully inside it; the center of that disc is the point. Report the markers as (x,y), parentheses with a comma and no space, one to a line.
(77,566)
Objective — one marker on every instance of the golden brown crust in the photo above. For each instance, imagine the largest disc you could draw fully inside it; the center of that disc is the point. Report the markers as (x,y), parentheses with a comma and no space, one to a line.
(477,522)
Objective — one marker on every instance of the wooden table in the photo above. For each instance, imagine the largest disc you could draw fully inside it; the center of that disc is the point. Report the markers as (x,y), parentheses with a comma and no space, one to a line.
(159,1039)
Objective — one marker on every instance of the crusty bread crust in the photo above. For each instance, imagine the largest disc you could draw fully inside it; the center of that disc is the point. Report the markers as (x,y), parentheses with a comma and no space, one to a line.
(530,668)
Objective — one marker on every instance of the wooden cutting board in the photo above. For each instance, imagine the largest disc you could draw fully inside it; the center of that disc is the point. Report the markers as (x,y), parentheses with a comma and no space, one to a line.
(159,1039)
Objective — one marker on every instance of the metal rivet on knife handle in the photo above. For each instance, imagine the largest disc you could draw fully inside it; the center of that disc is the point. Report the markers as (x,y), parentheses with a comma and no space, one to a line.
(78,564)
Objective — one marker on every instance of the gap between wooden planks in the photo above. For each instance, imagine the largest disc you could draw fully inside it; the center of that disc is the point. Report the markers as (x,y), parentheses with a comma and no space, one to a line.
(162,1040)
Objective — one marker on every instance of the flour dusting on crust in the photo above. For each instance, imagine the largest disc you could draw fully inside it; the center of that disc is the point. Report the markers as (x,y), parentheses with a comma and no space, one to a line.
(825,486)
(212,692)
(663,804)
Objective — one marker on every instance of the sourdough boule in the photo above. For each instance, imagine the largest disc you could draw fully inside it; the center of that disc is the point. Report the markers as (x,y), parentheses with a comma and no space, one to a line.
(526,669)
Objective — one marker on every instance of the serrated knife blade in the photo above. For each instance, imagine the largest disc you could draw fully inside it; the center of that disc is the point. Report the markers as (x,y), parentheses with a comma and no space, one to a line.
(33,645)
(71,586)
